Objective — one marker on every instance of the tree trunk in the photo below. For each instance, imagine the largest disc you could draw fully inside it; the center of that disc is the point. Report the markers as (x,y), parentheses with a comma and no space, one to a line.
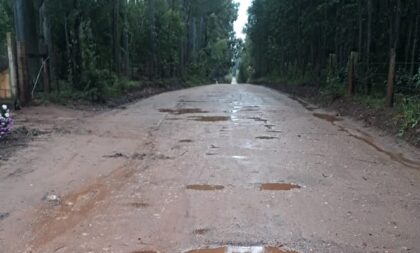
(116,37)
(368,47)
(389,101)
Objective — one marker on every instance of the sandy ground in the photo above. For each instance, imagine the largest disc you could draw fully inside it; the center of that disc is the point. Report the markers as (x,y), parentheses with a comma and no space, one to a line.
(225,168)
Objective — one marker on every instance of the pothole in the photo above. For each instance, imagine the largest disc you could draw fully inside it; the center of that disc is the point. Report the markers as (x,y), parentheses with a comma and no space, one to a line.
(279,187)
(201,231)
(210,118)
(266,137)
(139,205)
(205,187)
(186,141)
(232,249)
(180,111)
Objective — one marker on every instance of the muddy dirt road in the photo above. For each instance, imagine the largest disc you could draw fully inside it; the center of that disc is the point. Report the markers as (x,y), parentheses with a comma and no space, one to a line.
(226,168)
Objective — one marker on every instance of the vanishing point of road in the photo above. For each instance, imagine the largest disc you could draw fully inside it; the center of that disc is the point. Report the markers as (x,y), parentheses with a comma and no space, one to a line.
(219,168)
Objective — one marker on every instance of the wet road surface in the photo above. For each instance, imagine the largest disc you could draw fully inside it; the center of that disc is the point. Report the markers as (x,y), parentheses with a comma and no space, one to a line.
(221,168)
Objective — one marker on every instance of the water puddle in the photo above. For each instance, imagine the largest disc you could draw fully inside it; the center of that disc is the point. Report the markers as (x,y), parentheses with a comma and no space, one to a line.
(139,205)
(144,251)
(180,111)
(239,157)
(278,187)
(210,118)
(201,231)
(186,141)
(232,249)
(266,137)
(205,187)
(327,117)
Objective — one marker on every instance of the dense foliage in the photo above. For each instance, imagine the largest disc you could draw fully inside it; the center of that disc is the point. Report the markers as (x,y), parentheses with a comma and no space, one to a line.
(95,45)
(310,41)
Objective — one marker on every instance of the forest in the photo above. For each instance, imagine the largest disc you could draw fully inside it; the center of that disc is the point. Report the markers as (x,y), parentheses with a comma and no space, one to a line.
(362,48)
(94,48)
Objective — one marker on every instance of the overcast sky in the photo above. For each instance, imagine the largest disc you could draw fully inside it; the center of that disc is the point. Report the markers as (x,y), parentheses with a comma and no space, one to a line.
(242,18)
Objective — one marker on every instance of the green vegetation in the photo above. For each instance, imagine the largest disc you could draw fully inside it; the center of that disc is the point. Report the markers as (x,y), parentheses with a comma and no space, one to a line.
(341,48)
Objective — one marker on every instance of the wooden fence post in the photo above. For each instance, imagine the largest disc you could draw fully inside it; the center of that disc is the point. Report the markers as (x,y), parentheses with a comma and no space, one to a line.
(351,74)
(389,101)
(23,75)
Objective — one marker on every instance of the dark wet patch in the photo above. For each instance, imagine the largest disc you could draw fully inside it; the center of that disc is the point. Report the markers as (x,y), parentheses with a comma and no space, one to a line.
(210,118)
(327,117)
(278,187)
(258,119)
(180,111)
(251,108)
(274,131)
(211,154)
(201,231)
(186,141)
(205,187)
(139,205)
(4,216)
(232,249)
(116,155)
(266,137)
(269,126)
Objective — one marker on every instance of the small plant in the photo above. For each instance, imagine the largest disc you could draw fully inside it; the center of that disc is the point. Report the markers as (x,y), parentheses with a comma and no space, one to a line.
(5,121)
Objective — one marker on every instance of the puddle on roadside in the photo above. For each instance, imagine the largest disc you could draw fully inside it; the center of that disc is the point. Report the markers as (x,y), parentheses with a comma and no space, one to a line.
(201,231)
(278,187)
(144,251)
(205,187)
(327,117)
(232,249)
(210,118)
(180,111)
(266,137)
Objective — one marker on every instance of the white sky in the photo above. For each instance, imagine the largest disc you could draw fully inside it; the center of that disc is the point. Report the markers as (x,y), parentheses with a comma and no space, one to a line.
(242,17)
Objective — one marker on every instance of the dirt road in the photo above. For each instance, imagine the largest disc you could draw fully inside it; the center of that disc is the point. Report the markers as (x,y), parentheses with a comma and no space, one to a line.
(226,168)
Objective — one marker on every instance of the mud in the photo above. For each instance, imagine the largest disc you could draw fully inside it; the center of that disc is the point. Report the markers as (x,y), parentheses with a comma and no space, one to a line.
(205,187)
(181,111)
(232,249)
(278,187)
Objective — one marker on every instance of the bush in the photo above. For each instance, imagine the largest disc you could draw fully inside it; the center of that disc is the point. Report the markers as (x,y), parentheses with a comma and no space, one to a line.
(5,121)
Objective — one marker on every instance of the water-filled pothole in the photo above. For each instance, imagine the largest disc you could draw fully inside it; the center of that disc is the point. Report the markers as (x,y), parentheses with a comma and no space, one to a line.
(232,249)
(180,111)
(205,187)
(279,187)
(266,137)
(210,118)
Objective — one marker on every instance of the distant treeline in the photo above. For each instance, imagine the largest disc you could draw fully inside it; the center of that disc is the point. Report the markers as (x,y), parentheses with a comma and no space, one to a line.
(92,43)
